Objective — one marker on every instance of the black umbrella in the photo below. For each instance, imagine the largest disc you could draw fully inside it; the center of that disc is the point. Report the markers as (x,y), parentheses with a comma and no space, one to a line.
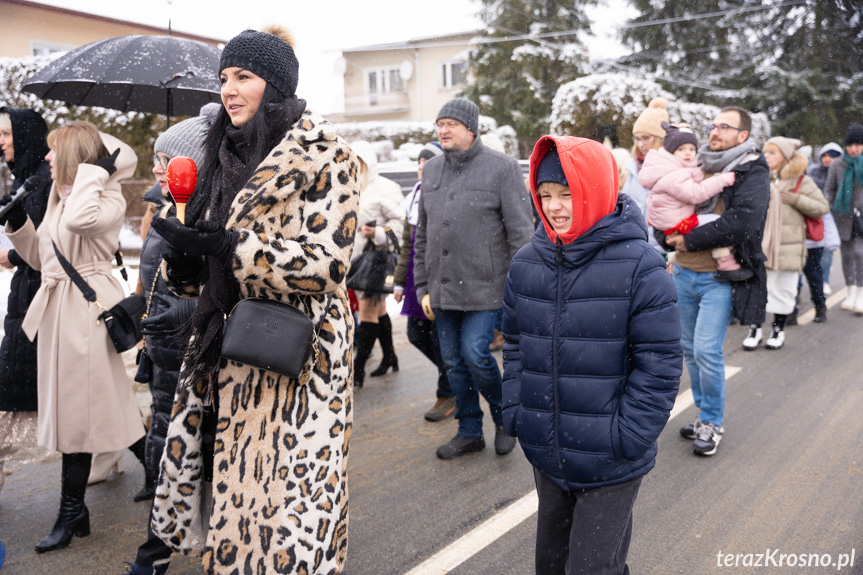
(154,74)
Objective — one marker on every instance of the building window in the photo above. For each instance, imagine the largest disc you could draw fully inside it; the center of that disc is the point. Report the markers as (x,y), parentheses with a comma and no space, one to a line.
(452,74)
(45,48)
(383,81)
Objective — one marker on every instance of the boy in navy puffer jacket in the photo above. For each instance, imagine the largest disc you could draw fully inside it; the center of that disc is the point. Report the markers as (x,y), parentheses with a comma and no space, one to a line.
(592,358)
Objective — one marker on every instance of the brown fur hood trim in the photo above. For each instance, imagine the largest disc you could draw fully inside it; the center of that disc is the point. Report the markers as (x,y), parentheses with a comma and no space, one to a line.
(794,168)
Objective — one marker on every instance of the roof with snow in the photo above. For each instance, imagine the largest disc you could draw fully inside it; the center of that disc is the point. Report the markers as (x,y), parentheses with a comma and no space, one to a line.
(422,42)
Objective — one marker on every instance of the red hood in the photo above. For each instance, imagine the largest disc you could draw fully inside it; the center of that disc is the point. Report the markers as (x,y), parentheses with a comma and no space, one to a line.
(592,176)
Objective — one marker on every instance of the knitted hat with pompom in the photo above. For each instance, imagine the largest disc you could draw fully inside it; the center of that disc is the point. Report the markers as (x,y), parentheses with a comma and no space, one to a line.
(650,120)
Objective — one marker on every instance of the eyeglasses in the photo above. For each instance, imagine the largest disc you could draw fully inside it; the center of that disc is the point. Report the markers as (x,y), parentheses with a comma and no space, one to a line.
(161,161)
(722,128)
(449,125)
(643,139)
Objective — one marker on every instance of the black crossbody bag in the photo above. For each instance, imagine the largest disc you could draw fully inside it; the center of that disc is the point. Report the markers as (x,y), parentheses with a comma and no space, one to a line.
(123,321)
(273,336)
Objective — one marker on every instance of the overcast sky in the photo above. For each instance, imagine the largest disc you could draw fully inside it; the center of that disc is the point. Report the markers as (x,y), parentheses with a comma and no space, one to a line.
(322,28)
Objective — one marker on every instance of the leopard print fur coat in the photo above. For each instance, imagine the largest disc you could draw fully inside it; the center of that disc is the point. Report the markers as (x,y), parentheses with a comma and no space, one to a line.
(279,492)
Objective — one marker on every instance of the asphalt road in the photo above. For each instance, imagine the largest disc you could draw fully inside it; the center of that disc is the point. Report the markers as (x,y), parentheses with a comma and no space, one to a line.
(785,480)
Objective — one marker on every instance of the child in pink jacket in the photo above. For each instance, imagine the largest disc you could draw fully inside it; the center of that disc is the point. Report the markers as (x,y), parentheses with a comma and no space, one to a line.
(677,185)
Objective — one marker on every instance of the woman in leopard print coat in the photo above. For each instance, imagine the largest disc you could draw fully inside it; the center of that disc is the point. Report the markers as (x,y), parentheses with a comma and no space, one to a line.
(280,228)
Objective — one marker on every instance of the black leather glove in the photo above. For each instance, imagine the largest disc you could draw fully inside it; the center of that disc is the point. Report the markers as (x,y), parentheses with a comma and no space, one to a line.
(16,216)
(107,164)
(206,239)
(182,270)
(162,324)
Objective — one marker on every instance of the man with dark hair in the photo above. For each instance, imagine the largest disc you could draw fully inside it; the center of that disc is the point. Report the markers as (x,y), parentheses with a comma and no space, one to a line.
(706,304)
(745,118)
(474,215)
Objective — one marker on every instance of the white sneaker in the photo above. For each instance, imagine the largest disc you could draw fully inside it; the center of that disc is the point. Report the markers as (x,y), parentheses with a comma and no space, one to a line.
(858,304)
(776,339)
(850,300)
(753,339)
(828,291)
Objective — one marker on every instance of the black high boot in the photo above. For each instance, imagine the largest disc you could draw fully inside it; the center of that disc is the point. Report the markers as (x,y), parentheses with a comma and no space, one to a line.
(366,336)
(74,518)
(139,448)
(385,336)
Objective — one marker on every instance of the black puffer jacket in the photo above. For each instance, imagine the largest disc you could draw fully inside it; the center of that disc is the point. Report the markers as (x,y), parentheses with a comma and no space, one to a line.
(17,353)
(165,352)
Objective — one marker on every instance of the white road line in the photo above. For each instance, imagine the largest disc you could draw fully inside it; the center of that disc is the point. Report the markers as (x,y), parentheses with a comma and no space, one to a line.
(502,522)
(481,537)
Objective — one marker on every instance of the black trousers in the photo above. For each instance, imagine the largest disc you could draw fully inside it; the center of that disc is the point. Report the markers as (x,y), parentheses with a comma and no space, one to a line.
(815,275)
(422,333)
(153,551)
(584,532)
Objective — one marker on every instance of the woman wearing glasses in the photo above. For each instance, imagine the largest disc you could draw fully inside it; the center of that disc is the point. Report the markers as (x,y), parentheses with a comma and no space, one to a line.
(647,134)
(85,406)
(273,217)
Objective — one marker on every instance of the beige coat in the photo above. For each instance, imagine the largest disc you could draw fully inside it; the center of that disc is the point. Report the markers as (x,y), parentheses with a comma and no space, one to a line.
(86,402)
(810,202)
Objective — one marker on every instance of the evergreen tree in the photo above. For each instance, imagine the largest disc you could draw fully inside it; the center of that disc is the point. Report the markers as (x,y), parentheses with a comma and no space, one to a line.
(799,61)
(514,80)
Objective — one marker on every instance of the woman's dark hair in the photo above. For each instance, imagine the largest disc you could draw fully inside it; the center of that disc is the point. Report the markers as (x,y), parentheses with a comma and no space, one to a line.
(263,132)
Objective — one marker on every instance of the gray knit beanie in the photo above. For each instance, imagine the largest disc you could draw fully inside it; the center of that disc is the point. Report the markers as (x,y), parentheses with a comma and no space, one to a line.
(187,138)
(266,55)
(463,111)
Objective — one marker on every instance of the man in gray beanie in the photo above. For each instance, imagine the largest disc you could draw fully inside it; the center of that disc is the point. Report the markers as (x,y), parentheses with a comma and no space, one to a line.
(474,215)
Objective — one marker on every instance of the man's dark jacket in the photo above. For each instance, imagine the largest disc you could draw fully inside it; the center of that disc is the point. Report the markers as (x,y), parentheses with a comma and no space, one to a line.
(741,226)
(474,216)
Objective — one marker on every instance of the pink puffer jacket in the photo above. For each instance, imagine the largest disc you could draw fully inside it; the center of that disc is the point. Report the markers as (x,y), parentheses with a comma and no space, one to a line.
(676,187)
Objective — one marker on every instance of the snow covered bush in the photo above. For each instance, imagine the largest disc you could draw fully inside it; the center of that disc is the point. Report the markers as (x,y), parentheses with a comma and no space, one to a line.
(601,105)
(406,139)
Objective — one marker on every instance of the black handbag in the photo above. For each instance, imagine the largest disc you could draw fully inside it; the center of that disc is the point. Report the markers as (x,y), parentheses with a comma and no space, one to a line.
(144,361)
(123,320)
(272,335)
(373,270)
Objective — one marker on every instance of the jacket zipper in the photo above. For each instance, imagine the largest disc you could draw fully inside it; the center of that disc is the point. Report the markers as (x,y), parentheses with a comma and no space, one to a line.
(554,374)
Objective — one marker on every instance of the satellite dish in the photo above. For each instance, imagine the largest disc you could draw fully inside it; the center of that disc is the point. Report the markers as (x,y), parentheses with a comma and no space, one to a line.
(340,65)
(406,69)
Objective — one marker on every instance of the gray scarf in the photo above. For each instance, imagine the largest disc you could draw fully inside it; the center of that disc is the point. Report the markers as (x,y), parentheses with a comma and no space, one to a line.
(726,160)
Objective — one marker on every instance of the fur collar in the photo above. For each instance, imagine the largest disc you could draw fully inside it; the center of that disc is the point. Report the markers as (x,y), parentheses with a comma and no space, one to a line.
(311,128)
(794,168)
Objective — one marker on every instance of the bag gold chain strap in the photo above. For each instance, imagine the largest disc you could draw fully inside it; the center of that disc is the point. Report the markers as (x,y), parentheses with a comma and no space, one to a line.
(152,290)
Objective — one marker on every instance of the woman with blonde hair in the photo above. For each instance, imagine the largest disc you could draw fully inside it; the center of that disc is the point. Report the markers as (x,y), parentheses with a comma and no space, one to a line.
(85,407)
(793,197)
(647,134)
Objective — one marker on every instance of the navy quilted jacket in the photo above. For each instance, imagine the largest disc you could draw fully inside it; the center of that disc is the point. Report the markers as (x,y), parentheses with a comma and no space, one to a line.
(592,359)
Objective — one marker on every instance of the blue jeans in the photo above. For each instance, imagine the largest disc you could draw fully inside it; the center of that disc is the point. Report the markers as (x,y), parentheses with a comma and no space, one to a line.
(705,310)
(471,369)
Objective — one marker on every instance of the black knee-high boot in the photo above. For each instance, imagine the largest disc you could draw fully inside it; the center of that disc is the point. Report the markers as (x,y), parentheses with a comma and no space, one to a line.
(385,336)
(149,490)
(74,518)
(366,336)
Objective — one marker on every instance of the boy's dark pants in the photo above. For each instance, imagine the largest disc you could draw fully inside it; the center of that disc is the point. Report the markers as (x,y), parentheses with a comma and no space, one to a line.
(584,532)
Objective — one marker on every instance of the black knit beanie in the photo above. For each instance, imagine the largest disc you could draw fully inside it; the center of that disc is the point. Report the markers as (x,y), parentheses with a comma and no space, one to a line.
(854,135)
(676,136)
(265,55)
(550,170)
(462,110)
